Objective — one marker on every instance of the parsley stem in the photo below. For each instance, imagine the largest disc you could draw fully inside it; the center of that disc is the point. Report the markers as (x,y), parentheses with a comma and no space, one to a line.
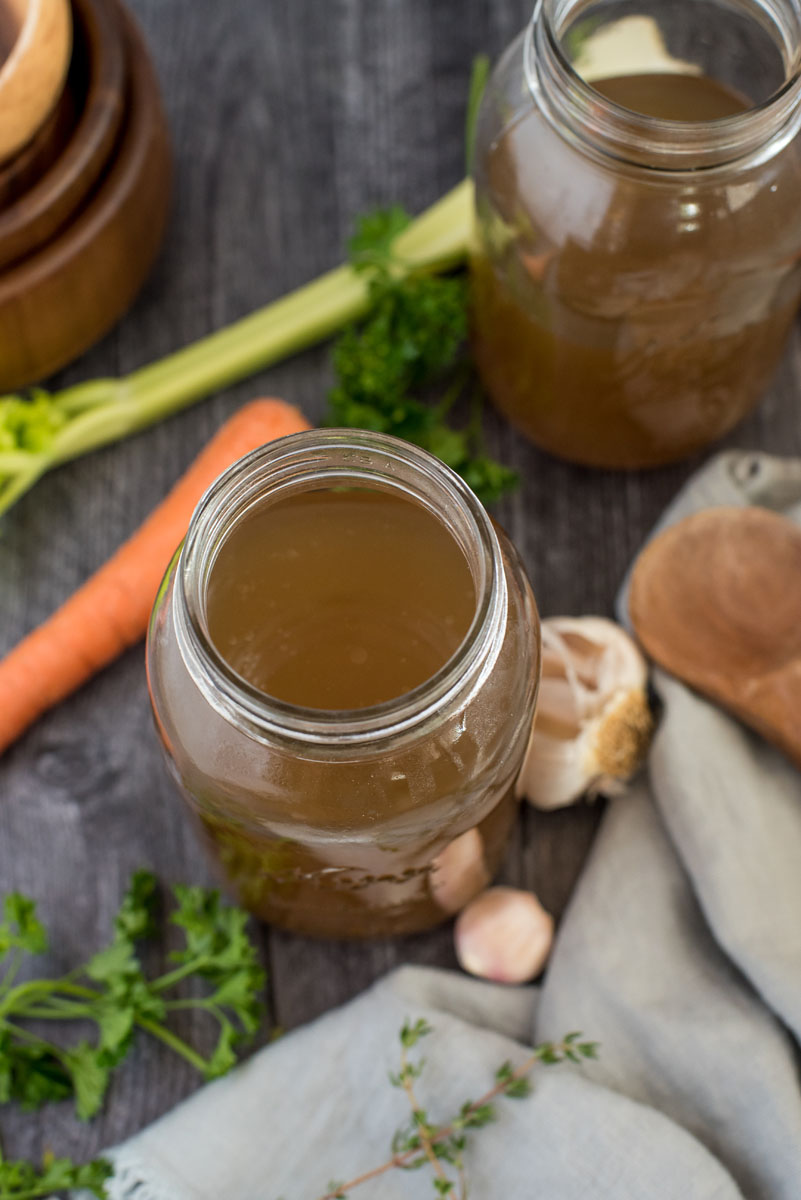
(15,999)
(45,1190)
(195,1003)
(56,1010)
(12,970)
(25,1035)
(186,969)
(453,393)
(174,1042)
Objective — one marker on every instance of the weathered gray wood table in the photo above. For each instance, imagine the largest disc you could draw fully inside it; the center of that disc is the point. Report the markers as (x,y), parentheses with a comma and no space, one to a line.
(287,119)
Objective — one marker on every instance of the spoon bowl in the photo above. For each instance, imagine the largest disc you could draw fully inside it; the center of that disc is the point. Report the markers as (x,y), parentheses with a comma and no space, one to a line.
(716,600)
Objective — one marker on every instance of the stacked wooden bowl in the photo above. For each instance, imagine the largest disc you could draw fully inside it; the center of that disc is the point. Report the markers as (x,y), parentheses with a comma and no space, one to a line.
(84,197)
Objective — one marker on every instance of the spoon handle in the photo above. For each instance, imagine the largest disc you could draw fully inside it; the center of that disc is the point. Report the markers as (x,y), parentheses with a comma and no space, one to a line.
(772,705)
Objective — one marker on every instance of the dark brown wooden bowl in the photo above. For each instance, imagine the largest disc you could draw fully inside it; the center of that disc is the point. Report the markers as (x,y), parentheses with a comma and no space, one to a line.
(97,82)
(64,297)
(28,167)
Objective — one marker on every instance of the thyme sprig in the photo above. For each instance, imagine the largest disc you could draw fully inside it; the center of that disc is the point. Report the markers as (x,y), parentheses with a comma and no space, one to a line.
(421,1143)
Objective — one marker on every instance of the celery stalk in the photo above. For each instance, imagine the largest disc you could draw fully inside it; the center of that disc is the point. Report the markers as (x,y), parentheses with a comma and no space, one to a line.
(95,413)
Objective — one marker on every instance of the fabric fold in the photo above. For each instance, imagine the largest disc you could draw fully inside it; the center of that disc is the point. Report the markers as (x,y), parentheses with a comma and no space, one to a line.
(318,1106)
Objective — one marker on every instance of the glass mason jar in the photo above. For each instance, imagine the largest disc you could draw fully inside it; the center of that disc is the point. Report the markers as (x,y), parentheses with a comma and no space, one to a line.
(638,259)
(369,821)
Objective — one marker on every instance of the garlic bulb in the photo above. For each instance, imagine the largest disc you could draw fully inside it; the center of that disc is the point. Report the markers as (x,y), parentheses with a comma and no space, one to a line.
(593,724)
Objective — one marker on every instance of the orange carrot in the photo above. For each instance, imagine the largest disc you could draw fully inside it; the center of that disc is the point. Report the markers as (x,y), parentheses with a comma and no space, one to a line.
(110,611)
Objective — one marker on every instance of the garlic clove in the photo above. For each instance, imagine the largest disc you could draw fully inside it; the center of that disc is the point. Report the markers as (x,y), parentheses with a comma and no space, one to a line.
(459,872)
(593,723)
(555,771)
(504,935)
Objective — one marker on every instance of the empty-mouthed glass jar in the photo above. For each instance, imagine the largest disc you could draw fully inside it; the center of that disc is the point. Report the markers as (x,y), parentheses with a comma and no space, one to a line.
(638,264)
(378,818)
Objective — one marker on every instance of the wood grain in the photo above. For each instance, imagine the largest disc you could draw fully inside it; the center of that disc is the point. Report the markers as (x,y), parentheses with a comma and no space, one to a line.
(286,120)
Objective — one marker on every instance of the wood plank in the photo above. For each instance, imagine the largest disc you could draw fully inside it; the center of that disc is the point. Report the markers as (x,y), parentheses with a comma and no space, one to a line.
(285,124)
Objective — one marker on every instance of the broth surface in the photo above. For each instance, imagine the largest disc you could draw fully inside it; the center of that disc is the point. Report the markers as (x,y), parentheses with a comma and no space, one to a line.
(339,599)
(672,97)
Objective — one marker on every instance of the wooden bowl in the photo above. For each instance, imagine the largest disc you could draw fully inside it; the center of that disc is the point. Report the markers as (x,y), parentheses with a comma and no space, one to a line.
(98,80)
(63,298)
(28,167)
(33,73)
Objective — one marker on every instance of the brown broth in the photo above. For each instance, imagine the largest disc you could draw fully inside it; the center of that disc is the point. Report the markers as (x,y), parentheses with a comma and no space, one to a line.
(624,318)
(672,97)
(339,599)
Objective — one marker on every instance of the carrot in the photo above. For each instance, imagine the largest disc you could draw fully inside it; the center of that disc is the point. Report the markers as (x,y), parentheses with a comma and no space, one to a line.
(110,611)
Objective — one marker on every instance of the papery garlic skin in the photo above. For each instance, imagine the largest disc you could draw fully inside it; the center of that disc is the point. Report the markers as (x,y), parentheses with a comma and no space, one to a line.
(593,723)
(504,935)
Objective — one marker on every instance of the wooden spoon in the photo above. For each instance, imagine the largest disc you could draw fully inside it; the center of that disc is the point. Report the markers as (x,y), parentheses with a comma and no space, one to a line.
(35,43)
(12,14)
(716,600)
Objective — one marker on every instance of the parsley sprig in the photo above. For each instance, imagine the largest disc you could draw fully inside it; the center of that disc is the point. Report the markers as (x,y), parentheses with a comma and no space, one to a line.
(412,342)
(23,1181)
(113,992)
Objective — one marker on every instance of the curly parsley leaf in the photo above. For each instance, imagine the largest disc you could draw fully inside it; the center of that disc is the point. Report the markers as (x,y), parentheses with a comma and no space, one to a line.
(412,342)
(114,992)
(371,245)
(31,1075)
(21,929)
(23,1181)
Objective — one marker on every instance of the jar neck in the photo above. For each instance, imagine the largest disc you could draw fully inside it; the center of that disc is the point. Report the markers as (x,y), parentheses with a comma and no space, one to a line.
(586,116)
(335,459)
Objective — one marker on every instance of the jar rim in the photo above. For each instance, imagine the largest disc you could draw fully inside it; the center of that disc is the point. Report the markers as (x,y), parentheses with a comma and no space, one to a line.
(295,463)
(653,143)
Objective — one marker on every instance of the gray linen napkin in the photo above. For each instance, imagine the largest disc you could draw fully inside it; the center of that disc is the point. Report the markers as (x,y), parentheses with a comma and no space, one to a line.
(680,953)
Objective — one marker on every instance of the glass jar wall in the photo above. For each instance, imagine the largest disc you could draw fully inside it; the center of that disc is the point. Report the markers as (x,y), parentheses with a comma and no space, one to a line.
(373,820)
(638,261)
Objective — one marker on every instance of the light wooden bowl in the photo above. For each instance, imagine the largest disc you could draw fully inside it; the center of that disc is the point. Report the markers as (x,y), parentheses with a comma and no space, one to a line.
(56,303)
(97,82)
(35,67)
